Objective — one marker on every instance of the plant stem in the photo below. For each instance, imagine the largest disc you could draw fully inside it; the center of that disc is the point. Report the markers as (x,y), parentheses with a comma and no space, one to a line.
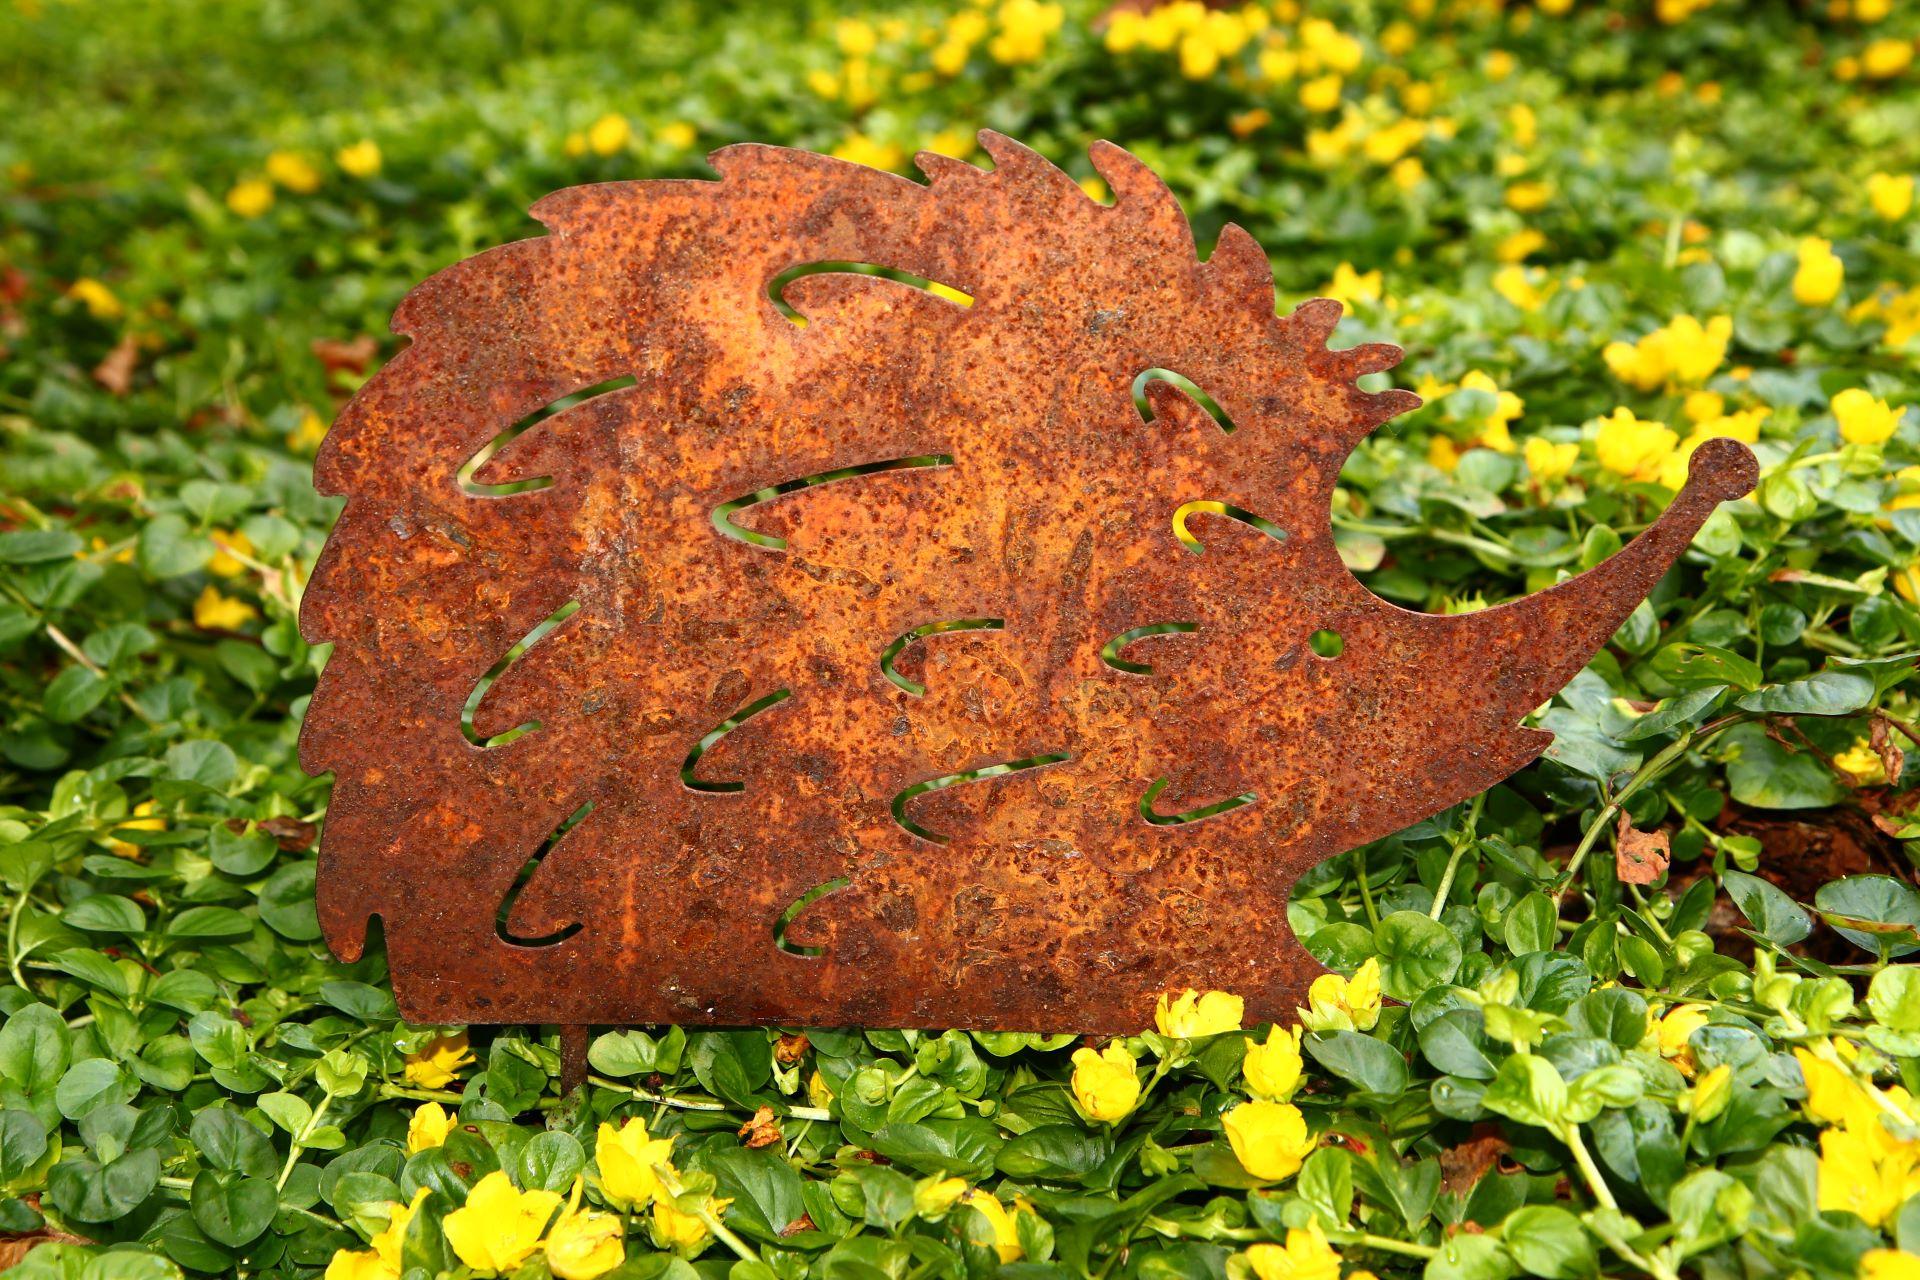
(1462,841)
(1386,1244)
(1570,1134)
(702,1104)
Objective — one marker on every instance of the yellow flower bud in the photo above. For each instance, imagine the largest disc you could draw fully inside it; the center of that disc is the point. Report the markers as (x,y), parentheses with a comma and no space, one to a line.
(1817,280)
(361,160)
(1105,1083)
(429,1127)
(1272,1070)
(1270,1139)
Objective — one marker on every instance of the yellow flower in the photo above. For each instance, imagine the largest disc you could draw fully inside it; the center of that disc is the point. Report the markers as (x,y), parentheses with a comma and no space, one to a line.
(1498,64)
(1512,283)
(437,1064)
(1408,173)
(1907,582)
(1885,59)
(1636,363)
(856,37)
(627,1156)
(1863,764)
(1104,1082)
(860,149)
(1199,56)
(228,546)
(1630,447)
(1701,406)
(683,1232)
(1890,194)
(1384,146)
(306,437)
(1817,280)
(1520,246)
(294,172)
(1277,65)
(1506,407)
(1691,350)
(950,58)
(429,1127)
(143,819)
(584,1243)
(1550,461)
(609,135)
(1272,1070)
(361,160)
(1442,454)
(856,84)
(1305,1256)
(1674,1031)
(824,83)
(1889,1264)
(215,612)
(1005,1236)
(1833,1095)
(1710,1094)
(1322,93)
(1864,419)
(1330,45)
(500,1225)
(677,135)
(1528,197)
(100,301)
(1350,286)
(359,1264)
(1870,11)
(1865,1175)
(1270,1139)
(934,1196)
(389,1242)
(250,197)
(1344,1004)
(955,143)
(1192,1015)
(1024,28)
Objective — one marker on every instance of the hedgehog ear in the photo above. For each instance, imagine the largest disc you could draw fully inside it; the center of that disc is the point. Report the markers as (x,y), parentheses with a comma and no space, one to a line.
(1239,265)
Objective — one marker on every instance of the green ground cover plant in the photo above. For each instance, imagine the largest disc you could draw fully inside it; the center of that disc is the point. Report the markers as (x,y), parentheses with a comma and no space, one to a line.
(1642,1010)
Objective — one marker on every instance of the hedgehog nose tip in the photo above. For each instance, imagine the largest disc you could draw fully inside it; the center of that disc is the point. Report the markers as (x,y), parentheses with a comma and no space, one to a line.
(1723,469)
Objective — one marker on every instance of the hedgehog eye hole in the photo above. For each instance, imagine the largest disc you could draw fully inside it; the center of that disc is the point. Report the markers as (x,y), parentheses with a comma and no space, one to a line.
(1327,644)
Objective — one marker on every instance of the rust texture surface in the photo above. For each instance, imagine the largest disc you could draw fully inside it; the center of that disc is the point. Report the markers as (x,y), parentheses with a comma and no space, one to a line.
(896,539)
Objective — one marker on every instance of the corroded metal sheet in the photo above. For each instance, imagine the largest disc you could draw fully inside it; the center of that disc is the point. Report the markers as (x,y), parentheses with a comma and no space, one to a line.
(860,672)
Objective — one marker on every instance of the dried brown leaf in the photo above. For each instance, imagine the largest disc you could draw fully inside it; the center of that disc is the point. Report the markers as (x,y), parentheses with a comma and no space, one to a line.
(1642,856)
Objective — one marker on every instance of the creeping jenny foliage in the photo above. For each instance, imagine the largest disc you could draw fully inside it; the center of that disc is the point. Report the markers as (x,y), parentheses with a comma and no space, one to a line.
(1644,1007)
